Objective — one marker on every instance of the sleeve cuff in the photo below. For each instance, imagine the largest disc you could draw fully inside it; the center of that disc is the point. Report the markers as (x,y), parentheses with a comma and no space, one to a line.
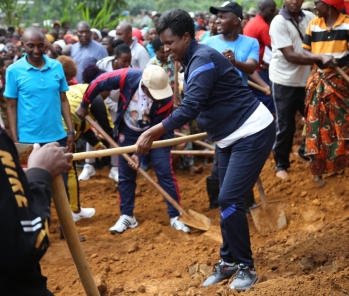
(36,174)
(168,125)
(84,105)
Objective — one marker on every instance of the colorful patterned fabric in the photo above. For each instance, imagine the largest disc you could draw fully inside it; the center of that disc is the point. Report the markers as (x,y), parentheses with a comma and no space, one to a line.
(327,121)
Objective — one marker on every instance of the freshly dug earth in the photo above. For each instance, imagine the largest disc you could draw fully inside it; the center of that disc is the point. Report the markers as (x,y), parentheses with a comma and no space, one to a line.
(309,257)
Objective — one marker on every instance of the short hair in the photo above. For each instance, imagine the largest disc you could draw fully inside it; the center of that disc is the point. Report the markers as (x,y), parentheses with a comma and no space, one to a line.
(109,38)
(91,72)
(33,30)
(69,66)
(120,47)
(83,23)
(3,59)
(178,21)
(157,43)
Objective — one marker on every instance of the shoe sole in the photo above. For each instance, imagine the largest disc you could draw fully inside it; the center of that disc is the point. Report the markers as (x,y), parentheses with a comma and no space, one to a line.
(131,226)
(246,288)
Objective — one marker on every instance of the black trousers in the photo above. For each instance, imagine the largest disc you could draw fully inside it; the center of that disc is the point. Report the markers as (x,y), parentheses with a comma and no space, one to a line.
(288,100)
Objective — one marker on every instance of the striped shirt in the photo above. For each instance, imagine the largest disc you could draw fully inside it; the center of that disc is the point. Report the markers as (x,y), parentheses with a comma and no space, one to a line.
(320,39)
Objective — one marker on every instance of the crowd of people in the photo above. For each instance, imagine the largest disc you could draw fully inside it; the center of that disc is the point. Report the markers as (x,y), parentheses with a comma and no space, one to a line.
(186,72)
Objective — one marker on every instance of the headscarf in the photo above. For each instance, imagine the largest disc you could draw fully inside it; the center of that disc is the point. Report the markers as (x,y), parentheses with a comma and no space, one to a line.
(337,4)
(97,32)
(50,38)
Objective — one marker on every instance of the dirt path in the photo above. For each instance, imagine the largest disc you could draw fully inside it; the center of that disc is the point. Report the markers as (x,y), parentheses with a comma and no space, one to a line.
(309,257)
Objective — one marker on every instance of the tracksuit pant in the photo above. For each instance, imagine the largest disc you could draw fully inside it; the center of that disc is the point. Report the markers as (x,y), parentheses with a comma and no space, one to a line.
(239,166)
(288,100)
(162,164)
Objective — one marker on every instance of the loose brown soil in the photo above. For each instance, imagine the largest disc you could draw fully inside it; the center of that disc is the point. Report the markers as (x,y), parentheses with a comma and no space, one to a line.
(309,257)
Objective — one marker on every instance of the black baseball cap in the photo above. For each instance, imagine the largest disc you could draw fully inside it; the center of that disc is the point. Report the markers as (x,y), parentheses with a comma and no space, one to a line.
(228,7)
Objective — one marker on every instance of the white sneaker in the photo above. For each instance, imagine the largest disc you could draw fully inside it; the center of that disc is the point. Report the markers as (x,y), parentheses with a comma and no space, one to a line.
(123,223)
(85,213)
(87,172)
(178,225)
(114,174)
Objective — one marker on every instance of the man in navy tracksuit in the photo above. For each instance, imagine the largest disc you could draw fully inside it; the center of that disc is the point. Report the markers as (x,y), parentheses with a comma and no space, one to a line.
(241,126)
(145,100)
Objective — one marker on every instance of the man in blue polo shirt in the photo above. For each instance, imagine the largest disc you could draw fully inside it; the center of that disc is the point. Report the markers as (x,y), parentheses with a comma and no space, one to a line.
(35,92)
(240,50)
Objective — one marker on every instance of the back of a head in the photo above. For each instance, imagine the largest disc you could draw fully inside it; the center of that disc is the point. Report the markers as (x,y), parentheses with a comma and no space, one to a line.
(178,21)
(120,47)
(91,72)
(157,44)
(66,50)
(69,66)
(262,4)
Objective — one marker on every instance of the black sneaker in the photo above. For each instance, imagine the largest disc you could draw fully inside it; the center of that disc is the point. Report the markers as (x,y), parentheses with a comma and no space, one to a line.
(245,278)
(221,272)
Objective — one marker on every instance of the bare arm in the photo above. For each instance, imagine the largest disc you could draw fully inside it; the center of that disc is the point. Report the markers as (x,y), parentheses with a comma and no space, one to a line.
(258,79)
(247,67)
(12,118)
(51,48)
(297,58)
(328,60)
(146,139)
(67,120)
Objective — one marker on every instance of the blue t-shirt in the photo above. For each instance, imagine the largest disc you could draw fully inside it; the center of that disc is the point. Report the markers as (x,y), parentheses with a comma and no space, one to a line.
(243,47)
(37,91)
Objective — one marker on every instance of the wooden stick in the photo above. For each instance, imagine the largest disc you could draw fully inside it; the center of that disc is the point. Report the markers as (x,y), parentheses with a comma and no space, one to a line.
(343,74)
(192,152)
(201,143)
(71,235)
(140,170)
(257,86)
(132,148)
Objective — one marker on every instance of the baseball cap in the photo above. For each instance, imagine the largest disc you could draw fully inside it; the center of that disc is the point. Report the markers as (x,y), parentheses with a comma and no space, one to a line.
(156,80)
(228,7)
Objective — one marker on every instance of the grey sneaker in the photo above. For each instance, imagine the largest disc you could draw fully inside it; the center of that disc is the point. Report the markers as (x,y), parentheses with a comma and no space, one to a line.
(221,272)
(245,278)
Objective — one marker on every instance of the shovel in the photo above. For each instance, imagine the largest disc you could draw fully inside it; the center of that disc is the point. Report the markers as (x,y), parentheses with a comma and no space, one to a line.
(268,216)
(190,218)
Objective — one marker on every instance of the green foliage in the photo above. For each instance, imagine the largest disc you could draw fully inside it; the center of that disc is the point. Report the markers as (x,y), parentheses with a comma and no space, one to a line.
(105,18)
(13,11)
(71,11)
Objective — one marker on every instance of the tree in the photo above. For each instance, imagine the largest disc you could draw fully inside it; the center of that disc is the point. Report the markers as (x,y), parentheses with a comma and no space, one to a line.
(13,11)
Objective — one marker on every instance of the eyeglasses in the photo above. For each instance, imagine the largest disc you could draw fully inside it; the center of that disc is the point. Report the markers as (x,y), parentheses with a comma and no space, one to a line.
(317,2)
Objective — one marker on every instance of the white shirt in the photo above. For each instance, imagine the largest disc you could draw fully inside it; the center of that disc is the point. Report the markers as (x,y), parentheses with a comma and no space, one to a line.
(259,120)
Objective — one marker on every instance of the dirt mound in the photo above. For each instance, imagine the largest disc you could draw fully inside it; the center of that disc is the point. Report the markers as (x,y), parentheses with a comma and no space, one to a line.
(308,257)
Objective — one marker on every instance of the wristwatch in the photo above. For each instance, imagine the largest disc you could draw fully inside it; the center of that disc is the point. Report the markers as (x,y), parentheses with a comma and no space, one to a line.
(71,133)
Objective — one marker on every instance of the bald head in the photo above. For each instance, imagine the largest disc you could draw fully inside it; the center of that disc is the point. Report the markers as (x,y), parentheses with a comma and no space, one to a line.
(267,9)
(124,31)
(84,33)
(33,32)
(83,24)
(125,26)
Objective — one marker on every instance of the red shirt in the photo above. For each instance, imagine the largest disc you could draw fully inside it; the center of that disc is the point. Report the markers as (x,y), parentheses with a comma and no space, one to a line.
(259,29)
